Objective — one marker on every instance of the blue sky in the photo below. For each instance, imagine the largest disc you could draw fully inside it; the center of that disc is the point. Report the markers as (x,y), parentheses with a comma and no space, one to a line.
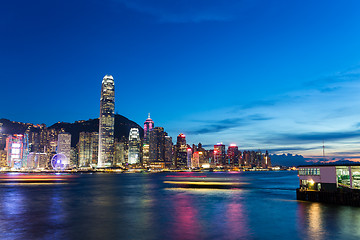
(278,75)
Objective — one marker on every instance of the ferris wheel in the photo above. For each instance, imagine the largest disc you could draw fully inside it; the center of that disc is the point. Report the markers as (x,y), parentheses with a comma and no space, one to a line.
(58,161)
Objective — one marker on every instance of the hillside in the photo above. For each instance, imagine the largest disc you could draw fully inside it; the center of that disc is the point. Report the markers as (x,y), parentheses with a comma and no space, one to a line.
(122,127)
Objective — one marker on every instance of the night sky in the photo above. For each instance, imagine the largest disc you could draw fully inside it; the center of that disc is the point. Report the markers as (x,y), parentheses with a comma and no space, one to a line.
(277,75)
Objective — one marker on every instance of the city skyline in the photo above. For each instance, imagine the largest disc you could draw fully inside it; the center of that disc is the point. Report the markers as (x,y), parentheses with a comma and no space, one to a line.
(282,77)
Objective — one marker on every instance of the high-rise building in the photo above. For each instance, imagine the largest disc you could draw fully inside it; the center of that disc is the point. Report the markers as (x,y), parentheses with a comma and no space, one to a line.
(94,148)
(134,146)
(181,151)
(188,157)
(157,145)
(74,157)
(219,154)
(85,153)
(195,160)
(233,155)
(17,150)
(121,152)
(168,151)
(64,146)
(106,122)
(148,126)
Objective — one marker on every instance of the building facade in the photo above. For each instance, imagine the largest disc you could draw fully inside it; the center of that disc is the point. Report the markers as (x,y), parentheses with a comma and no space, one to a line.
(64,146)
(106,123)
(219,154)
(233,155)
(181,152)
(134,146)
(157,146)
(17,150)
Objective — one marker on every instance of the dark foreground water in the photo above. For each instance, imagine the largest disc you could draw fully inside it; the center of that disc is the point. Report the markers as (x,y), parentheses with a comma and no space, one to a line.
(142,206)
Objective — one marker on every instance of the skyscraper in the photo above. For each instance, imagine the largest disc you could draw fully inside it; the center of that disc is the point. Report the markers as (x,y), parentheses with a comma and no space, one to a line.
(181,151)
(134,146)
(233,155)
(64,146)
(148,126)
(106,122)
(219,154)
(157,145)
(84,147)
(17,150)
(168,151)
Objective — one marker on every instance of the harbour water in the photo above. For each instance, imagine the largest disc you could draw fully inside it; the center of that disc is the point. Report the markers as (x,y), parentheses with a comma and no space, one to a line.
(144,206)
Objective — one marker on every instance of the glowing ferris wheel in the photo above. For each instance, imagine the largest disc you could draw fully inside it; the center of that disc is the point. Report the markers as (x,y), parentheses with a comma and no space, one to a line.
(58,161)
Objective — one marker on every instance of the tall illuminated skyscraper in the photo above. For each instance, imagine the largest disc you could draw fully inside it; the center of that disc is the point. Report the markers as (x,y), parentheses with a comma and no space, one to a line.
(64,146)
(134,146)
(148,126)
(17,150)
(233,155)
(181,151)
(219,154)
(106,122)
(84,148)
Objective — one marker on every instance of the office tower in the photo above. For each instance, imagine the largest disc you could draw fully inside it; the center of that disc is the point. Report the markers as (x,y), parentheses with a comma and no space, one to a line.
(168,151)
(106,123)
(195,160)
(146,154)
(121,152)
(233,155)
(34,141)
(94,148)
(134,146)
(148,126)
(74,157)
(219,154)
(64,146)
(188,157)
(181,151)
(245,160)
(17,150)
(157,145)
(85,153)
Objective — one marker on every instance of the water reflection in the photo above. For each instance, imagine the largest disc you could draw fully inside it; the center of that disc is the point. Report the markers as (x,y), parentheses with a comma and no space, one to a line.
(236,220)
(25,215)
(186,224)
(142,206)
(322,221)
(315,221)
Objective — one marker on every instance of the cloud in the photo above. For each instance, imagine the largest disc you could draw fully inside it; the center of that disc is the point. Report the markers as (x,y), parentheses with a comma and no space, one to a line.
(216,126)
(320,136)
(351,74)
(291,148)
(189,10)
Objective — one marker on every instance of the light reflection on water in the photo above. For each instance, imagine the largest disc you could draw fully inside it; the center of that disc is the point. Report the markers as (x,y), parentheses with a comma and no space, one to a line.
(142,206)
